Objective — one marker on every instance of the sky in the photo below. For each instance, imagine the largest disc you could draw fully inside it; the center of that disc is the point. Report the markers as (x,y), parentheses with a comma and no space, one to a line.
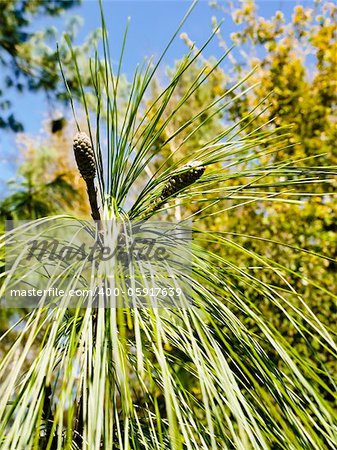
(152,24)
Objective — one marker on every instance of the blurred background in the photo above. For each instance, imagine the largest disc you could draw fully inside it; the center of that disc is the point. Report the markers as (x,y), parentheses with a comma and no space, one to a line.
(293,47)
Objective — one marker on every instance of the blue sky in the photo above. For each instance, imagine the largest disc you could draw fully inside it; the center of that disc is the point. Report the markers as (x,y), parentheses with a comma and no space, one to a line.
(152,24)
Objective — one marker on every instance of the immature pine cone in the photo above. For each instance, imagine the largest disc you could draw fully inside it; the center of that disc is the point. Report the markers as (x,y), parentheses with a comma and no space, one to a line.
(84,156)
(187,175)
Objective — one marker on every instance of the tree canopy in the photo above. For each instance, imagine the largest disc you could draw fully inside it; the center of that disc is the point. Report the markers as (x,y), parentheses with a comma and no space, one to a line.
(28,57)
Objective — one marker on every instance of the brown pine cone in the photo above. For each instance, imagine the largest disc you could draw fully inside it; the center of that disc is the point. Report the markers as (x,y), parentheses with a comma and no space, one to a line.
(84,156)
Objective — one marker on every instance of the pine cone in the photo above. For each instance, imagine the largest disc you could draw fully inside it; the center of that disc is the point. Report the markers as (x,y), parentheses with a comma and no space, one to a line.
(187,175)
(84,156)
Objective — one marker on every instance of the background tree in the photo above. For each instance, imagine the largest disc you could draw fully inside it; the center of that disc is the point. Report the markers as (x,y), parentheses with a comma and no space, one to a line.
(27,62)
(297,75)
(47,181)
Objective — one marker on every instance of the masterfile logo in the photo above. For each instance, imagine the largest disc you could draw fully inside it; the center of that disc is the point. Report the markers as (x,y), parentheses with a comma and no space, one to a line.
(74,263)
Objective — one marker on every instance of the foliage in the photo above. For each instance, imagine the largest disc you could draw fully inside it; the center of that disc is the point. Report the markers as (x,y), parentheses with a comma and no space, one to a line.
(47,180)
(195,378)
(296,69)
(25,56)
(296,62)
